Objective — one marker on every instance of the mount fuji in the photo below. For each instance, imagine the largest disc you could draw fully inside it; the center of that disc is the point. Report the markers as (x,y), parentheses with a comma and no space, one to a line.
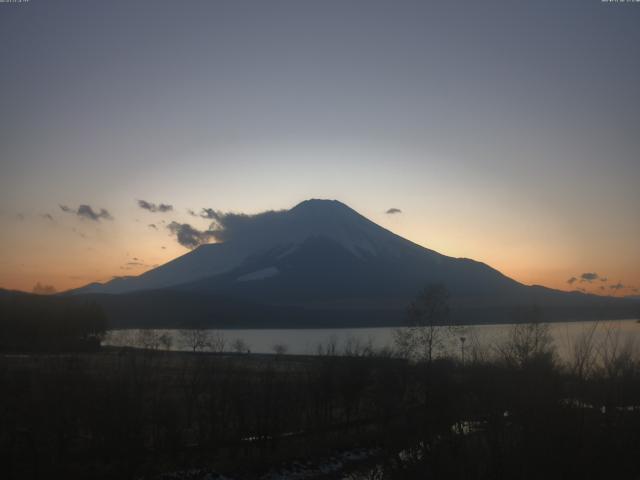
(321,264)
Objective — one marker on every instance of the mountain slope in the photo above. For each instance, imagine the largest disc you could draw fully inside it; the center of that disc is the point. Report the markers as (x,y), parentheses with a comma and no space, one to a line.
(323,237)
(319,264)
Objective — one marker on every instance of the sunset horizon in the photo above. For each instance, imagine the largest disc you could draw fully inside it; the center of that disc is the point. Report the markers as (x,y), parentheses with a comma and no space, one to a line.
(167,248)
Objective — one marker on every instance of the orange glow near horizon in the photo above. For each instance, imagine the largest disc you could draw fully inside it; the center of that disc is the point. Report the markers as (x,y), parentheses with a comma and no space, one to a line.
(69,255)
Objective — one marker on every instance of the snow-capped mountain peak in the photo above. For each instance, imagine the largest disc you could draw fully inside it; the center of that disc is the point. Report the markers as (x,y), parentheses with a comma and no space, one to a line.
(256,234)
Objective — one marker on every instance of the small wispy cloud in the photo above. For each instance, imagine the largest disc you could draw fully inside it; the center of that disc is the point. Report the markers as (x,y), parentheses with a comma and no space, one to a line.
(86,211)
(393,211)
(572,280)
(153,207)
(589,277)
(135,263)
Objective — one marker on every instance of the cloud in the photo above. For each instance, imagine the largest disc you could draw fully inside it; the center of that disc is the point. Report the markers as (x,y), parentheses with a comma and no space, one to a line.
(134,263)
(589,277)
(153,225)
(188,236)
(131,265)
(152,207)
(86,211)
(616,287)
(226,226)
(393,211)
(47,216)
(603,279)
(42,289)
(211,214)
(74,230)
(192,213)
(572,280)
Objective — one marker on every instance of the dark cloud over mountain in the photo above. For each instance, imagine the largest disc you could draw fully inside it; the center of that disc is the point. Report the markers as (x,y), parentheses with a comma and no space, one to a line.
(225,226)
(189,236)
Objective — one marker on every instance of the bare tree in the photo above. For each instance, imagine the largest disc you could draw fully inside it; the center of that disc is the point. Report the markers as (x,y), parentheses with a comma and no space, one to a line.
(239,346)
(166,341)
(329,349)
(218,342)
(582,349)
(148,339)
(196,338)
(528,340)
(475,350)
(429,324)
(356,347)
(615,352)
(280,349)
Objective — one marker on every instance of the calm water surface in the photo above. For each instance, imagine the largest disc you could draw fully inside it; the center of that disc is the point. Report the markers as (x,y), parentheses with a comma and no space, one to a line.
(619,333)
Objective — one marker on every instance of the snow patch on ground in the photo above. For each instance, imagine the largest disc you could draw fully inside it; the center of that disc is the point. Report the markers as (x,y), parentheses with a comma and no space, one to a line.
(301,469)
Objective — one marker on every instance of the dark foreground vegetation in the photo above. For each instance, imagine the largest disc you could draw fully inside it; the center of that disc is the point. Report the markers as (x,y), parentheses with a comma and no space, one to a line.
(516,413)
(508,411)
(37,323)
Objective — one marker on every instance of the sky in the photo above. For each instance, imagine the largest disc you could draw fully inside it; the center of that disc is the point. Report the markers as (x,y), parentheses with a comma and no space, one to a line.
(507,132)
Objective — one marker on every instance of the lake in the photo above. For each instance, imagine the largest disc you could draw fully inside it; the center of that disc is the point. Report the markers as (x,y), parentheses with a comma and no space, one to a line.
(565,335)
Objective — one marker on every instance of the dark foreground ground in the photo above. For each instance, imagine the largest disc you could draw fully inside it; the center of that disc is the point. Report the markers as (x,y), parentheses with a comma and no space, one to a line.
(121,414)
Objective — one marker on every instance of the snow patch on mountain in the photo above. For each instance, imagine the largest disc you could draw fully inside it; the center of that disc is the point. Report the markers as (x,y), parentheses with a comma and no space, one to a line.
(259,274)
